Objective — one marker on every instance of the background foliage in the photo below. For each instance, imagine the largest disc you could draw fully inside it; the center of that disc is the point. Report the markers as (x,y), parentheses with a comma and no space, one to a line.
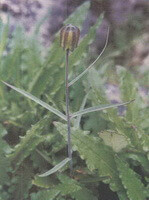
(110,147)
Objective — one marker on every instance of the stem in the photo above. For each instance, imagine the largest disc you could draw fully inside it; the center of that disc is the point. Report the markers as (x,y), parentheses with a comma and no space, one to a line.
(67,113)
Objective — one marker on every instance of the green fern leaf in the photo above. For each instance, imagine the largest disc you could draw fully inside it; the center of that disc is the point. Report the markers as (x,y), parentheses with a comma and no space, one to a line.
(96,154)
(67,185)
(14,57)
(133,185)
(92,150)
(75,189)
(29,142)
(117,123)
(128,88)
(22,181)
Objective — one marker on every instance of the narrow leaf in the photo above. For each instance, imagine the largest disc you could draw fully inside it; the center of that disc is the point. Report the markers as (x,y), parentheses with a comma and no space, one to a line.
(35,99)
(90,66)
(56,168)
(98,108)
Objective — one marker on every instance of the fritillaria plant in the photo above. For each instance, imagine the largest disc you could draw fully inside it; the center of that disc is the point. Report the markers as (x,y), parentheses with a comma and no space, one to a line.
(69,37)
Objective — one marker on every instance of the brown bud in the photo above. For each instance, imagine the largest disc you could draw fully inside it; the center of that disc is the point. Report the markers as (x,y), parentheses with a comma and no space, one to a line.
(69,37)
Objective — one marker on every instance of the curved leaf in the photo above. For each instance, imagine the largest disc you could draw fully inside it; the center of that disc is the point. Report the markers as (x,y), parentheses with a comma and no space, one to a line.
(91,65)
(56,168)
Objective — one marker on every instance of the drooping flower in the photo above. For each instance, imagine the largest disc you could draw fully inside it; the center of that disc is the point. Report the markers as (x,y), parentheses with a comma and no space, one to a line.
(69,37)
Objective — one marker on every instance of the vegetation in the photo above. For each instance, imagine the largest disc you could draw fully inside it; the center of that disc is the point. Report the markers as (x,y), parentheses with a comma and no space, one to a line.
(110,146)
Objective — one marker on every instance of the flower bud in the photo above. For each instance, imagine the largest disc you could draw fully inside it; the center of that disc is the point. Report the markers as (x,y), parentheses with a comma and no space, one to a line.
(69,37)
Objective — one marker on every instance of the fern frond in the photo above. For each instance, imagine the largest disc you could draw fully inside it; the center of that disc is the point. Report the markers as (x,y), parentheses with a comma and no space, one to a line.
(96,154)
(22,181)
(128,89)
(29,142)
(133,185)
(67,185)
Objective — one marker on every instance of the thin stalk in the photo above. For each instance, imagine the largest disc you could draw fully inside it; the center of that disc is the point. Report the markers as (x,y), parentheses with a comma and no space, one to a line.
(68,113)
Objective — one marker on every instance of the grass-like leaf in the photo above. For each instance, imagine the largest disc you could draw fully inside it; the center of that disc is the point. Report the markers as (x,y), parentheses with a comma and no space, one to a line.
(35,99)
(98,108)
(56,168)
(91,65)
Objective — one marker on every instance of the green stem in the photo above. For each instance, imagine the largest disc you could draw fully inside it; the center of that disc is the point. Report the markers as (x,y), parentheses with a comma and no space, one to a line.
(68,113)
